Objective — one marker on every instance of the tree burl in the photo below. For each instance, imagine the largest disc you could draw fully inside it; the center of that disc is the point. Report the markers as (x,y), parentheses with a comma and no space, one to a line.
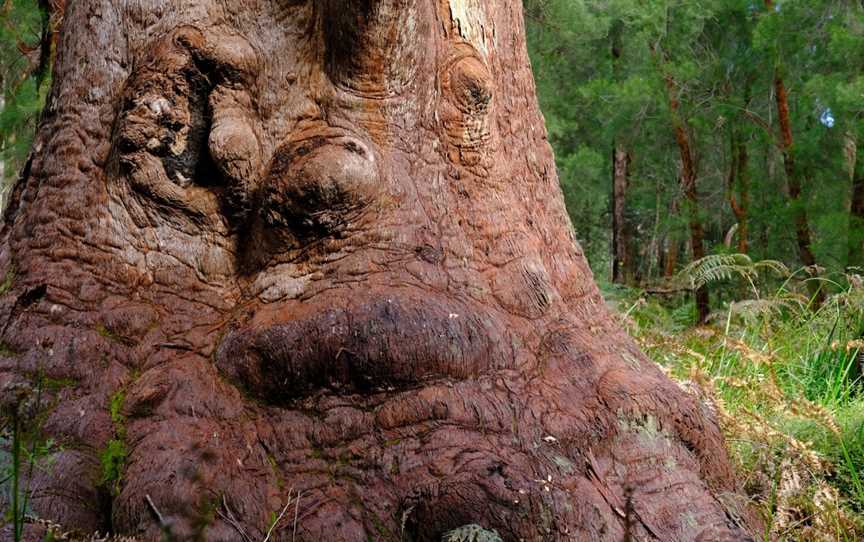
(270,248)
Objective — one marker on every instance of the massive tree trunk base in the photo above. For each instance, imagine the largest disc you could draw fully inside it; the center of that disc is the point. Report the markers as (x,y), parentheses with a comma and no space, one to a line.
(312,257)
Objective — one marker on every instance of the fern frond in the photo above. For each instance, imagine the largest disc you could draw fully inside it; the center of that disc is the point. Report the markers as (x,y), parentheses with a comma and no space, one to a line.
(719,267)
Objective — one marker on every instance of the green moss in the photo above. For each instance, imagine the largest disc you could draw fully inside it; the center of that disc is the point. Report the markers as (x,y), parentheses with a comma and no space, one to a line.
(205,517)
(116,408)
(7,351)
(8,280)
(103,331)
(54,384)
(274,466)
(113,457)
(113,337)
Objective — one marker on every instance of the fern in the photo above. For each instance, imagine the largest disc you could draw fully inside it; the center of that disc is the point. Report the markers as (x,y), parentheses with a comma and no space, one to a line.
(753,311)
(720,267)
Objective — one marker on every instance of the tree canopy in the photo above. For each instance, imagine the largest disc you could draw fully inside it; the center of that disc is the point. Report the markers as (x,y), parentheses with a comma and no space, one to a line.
(609,72)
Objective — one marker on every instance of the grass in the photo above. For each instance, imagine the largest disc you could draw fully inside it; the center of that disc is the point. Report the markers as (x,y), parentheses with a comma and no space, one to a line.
(786,382)
(28,450)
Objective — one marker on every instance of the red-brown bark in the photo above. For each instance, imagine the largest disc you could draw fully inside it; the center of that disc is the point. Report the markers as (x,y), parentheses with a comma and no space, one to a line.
(671,245)
(793,179)
(691,195)
(267,268)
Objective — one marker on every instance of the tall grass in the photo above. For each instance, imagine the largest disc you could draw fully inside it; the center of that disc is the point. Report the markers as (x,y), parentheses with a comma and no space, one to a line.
(787,384)
(20,427)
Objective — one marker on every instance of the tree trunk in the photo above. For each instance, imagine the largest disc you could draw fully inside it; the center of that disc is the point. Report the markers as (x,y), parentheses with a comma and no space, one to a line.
(688,185)
(738,190)
(310,261)
(621,264)
(794,184)
(856,221)
(621,268)
(793,178)
(671,244)
(3,189)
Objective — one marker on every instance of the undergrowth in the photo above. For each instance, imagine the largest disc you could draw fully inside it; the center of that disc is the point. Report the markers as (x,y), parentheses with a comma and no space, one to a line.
(785,380)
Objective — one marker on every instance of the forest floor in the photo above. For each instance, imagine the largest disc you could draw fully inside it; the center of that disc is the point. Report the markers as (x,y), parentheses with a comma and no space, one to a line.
(786,383)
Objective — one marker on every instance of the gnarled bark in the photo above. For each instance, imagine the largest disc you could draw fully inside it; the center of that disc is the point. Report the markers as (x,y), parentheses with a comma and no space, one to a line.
(275,248)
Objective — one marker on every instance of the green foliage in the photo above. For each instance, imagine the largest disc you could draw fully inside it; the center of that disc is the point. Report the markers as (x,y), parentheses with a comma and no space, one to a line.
(788,388)
(24,78)
(601,69)
(116,409)
(113,459)
(8,280)
(725,267)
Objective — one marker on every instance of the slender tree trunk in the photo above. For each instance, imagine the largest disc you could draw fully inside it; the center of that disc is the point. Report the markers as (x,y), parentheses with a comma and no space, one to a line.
(738,190)
(855,229)
(794,179)
(311,260)
(794,185)
(671,243)
(670,265)
(691,196)
(655,248)
(3,187)
(856,221)
(621,267)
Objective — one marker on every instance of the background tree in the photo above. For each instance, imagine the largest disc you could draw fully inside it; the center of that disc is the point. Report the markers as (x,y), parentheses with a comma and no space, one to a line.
(722,58)
(27,42)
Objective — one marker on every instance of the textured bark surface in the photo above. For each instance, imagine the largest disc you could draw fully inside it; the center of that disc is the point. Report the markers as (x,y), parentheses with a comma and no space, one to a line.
(319,247)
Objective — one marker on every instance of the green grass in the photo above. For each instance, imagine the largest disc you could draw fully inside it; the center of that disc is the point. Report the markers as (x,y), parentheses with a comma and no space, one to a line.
(787,381)
(21,430)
